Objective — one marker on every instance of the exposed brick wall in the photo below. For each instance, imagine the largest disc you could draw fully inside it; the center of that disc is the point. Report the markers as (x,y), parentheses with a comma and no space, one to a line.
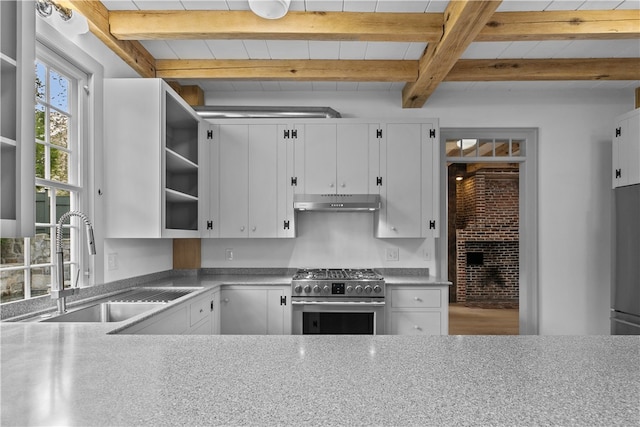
(487,218)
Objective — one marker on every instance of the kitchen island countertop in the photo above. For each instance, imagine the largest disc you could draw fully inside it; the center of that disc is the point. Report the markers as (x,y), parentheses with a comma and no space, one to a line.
(75,374)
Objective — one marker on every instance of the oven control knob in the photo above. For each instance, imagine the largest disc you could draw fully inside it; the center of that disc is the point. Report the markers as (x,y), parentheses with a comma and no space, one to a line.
(297,289)
(349,289)
(326,289)
(377,289)
(368,289)
(316,289)
(358,289)
(307,289)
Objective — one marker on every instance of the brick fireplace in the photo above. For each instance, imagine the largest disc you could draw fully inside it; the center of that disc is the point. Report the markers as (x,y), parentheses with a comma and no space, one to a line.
(487,248)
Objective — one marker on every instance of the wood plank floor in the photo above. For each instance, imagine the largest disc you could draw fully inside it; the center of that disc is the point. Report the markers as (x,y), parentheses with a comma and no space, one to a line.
(482,321)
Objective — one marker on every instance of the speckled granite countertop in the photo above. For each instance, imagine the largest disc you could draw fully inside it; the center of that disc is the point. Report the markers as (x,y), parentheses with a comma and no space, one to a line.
(209,278)
(75,374)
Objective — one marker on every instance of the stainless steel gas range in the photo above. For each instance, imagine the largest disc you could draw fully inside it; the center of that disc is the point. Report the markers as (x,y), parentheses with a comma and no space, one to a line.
(338,301)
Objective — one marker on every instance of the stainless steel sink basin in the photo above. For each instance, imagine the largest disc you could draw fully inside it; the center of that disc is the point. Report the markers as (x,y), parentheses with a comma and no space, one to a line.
(106,312)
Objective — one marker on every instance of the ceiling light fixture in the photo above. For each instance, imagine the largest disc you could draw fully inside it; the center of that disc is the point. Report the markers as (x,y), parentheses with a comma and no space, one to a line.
(68,22)
(269,9)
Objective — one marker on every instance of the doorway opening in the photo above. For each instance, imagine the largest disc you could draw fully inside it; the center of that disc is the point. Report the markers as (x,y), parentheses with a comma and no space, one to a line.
(490,205)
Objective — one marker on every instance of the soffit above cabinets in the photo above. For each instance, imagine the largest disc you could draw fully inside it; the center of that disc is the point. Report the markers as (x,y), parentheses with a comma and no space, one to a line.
(262,59)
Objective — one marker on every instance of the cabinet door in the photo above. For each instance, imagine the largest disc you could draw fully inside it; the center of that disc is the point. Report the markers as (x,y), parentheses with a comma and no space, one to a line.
(243,311)
(210,188)
(619,169)
(430,170)
(278,311)
(233,176)
(255,310)
(400,214)
(17,148)
(320,159)
(285,187)
(133,187)
(634,147)
(263,180)
(626,150)
(352,161)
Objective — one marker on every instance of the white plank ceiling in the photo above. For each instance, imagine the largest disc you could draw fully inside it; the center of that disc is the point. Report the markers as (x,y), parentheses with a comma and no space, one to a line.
(302,49)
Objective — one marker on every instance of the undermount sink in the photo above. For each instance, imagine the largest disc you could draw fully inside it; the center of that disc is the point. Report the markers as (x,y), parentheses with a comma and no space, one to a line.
(106,312)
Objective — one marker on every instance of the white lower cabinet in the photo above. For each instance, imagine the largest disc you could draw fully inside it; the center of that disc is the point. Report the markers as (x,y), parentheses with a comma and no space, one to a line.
(255,310)
(417,310)
(192,317)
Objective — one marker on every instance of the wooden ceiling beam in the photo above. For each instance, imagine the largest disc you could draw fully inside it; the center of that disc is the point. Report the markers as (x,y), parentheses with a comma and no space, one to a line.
(292,70)
(493,70)
(132,52)
(562,25)
(369,26)
(471,70)
(463,20)
(207,24)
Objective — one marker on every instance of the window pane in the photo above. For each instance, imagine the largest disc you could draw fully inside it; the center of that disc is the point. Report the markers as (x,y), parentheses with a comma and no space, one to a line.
(59,89)
(502,147)
(452,149)
(59,165)
(43,203)
(41,80)
(40,161)
(59,129)
(40,122)
(12,285)
(40,281)
(63,205)
(11,252)
(485,148)
(469,147)
(41,248)
(516,148)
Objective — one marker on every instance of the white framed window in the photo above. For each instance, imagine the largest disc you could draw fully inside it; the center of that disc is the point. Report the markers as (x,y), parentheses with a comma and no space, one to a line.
(61,125)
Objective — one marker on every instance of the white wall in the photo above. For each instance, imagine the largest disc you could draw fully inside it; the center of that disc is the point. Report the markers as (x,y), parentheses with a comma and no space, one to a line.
(324,239)
(136,257)
(574,191)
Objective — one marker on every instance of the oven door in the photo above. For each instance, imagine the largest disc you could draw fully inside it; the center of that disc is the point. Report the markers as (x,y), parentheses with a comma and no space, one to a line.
(335,317)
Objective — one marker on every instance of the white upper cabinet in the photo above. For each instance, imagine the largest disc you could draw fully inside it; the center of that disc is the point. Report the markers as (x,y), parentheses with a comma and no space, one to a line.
(233,175)
(319,147)
(333,158)
(263,181)
(352,171)
(250,176)
(17,122)
(409,181)
(626,149)
(152,143)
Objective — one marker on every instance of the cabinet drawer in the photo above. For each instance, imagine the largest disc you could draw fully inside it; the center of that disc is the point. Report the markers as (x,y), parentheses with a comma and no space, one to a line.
(199,310)
(415,323)
(415,298)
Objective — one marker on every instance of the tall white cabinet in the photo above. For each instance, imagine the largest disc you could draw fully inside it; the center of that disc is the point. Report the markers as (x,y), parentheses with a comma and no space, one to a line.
(17,143)
(152,161)
(626,149)
(409,180)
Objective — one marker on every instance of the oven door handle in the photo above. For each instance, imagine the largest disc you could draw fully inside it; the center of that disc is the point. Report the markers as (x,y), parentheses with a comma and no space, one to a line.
(342,303)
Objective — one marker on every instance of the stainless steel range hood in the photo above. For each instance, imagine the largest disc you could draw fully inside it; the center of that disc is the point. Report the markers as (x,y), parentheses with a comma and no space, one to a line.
(336,202)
